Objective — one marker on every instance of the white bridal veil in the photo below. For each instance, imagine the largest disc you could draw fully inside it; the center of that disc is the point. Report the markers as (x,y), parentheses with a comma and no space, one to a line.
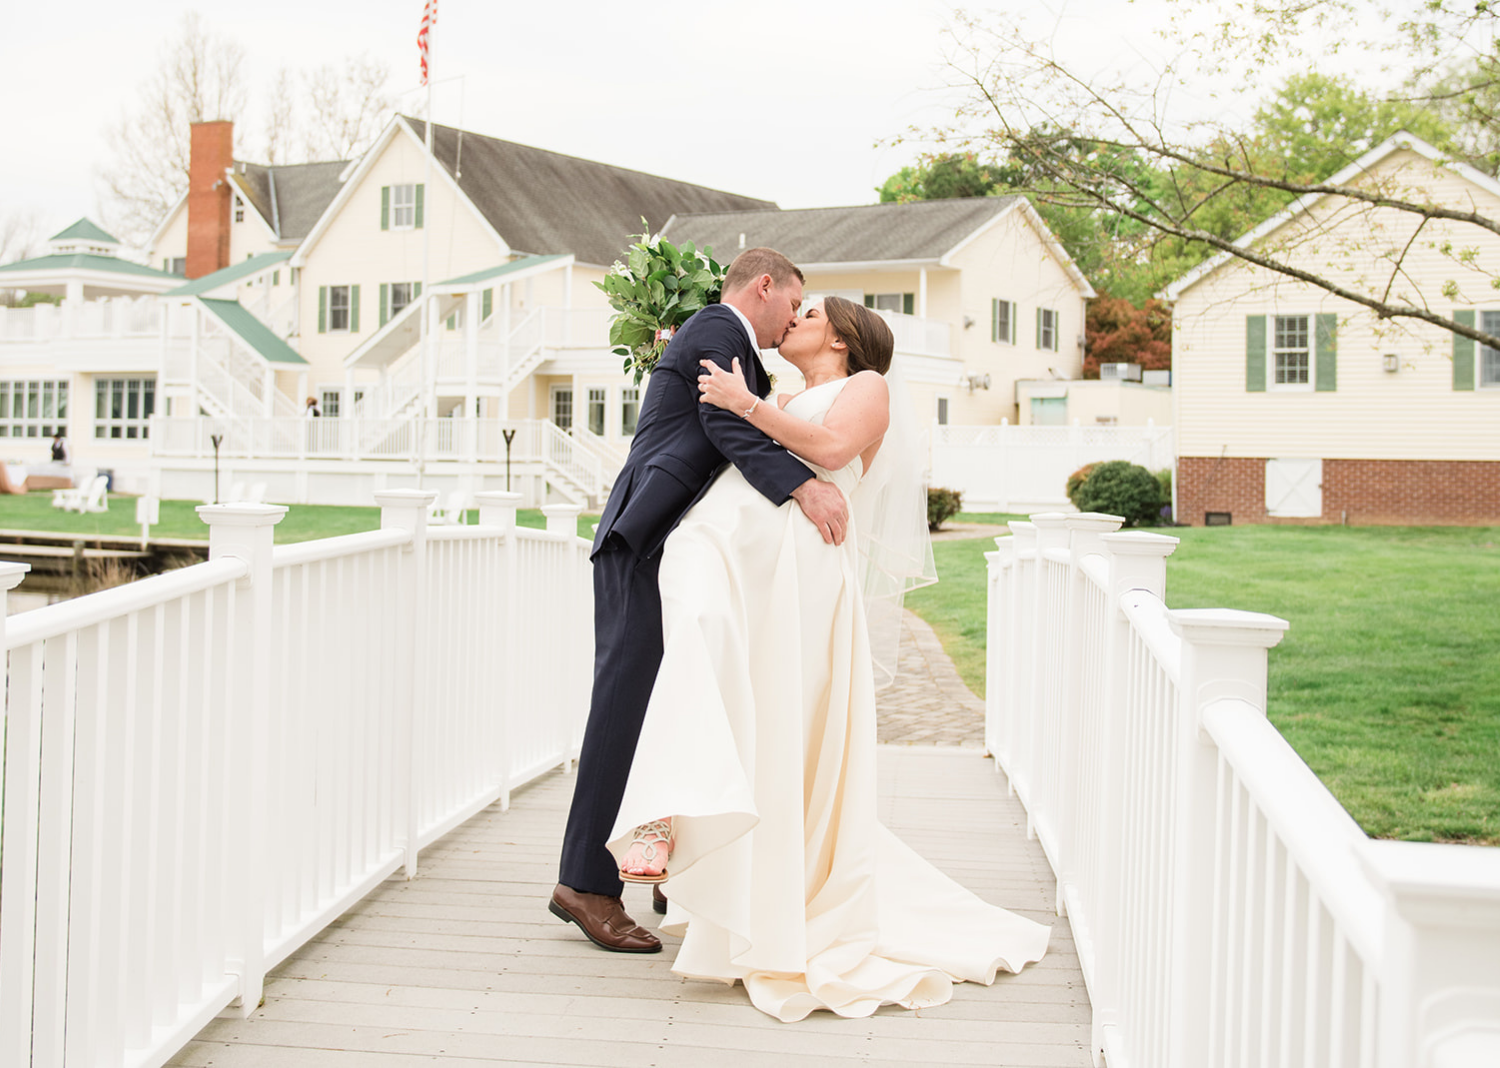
(890,516)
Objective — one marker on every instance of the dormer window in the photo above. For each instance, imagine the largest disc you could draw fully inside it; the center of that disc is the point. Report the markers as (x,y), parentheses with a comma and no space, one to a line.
(403,206)
(239,209)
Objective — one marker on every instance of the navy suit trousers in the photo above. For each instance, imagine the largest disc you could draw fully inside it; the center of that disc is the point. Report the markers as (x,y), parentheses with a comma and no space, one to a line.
(627,654)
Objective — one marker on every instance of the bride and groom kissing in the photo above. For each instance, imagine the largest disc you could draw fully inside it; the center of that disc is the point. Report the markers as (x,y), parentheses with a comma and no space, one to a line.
(749,546)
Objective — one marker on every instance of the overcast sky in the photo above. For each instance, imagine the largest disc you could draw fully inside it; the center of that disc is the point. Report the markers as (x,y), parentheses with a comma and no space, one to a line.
(786,99)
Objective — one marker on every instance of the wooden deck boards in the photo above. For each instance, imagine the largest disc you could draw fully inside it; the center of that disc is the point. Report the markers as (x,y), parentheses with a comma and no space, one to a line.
(465,966)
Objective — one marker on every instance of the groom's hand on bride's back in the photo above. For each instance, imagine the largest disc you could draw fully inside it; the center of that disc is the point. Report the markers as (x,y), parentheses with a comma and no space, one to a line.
(824,504)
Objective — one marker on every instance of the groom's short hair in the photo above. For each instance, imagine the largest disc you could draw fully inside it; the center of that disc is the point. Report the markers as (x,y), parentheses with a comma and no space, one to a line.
(754,262)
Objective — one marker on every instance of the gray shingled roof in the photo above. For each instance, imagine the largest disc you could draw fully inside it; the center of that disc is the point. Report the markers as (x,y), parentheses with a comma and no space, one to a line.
(544,202)
(290,198)
(922,230)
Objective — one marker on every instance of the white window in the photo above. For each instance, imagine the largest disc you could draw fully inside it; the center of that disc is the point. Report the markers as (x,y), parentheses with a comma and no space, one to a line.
(123,406)
(1046,329)
(596,411)
(630,410)
(562,407)
(403,206)
(31,408)
(1003,321)
(239,209)
(1291,355)
(400,297)
(1489,359)
(903,303)
(175,265)
(338,307)
(328,401)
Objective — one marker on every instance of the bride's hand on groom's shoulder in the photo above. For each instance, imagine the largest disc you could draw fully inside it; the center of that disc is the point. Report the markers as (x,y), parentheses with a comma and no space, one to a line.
(724,389)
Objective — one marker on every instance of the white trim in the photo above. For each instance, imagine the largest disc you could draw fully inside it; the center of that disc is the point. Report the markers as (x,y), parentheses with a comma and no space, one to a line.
(365,164)
(161,228)
(1398,141)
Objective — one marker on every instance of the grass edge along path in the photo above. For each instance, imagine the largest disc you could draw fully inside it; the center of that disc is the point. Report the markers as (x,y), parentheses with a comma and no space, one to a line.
(1387,682)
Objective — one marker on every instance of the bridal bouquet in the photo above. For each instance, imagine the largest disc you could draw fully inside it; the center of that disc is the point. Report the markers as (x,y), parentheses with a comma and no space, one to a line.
(656,290)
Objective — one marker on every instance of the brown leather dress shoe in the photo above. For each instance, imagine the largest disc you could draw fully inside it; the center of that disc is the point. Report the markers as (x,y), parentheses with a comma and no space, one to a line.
(658,900)
(603,919)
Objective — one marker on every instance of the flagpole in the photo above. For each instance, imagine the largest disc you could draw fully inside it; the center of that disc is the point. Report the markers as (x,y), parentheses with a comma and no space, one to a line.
(429,383)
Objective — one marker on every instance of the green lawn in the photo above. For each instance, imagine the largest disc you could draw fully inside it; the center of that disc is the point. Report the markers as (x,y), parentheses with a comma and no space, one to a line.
(303,522)
(1387,683)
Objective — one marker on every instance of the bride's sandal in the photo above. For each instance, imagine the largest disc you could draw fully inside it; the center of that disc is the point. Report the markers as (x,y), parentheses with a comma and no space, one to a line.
(645,859)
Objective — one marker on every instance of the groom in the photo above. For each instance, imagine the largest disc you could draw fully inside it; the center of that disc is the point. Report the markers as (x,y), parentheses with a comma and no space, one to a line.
(679,446)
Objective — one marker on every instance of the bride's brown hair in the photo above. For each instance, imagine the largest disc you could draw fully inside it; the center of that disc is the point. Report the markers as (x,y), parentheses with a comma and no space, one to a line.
(867,338)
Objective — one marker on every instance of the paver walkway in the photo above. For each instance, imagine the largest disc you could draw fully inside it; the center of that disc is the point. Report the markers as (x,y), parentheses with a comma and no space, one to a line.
(928,704)
(463,966)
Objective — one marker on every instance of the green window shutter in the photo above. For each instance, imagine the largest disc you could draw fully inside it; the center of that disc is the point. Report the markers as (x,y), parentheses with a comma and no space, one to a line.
(1325,373)
(1015,310)
(421,194)
(322,309)
(354,309)
(869,300)
(908,303)
(385,302)
(1463,353)
(1039,328)
(486,304)
(994,318)
(276,278)
(385,207)
(1255,354)
(416,290)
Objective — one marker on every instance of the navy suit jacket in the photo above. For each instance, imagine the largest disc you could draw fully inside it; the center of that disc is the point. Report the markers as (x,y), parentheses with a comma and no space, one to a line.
(680,443)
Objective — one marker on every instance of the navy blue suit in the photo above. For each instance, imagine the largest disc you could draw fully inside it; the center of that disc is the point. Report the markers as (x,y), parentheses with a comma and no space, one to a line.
(680,444)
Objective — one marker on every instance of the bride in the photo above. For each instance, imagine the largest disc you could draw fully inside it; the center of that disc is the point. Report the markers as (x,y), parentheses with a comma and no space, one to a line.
(753,785)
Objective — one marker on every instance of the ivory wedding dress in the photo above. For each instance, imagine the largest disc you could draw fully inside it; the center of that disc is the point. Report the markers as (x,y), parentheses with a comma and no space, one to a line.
(760,741)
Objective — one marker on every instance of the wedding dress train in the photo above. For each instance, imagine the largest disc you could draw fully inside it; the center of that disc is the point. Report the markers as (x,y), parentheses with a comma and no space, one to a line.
(760,741)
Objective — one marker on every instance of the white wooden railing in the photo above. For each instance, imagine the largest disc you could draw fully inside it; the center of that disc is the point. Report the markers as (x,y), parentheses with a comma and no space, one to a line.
(110,317)
(204,769)
(1227,911)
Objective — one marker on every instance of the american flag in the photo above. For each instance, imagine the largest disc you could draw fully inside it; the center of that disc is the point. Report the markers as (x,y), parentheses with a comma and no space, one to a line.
(429,18)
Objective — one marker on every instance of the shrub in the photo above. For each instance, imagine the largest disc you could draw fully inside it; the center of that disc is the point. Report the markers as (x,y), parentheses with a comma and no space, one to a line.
(1124,489)
(942,504)
(1075,483)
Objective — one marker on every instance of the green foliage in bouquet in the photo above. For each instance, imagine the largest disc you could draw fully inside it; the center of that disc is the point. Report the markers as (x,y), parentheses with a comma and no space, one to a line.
(656,290)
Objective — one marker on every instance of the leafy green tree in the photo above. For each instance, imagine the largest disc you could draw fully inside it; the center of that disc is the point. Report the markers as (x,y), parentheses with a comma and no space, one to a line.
(939,177)
(1194,186)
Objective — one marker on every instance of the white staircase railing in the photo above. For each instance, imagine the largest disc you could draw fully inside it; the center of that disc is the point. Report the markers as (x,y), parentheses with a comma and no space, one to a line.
(1226,909)
(204,769)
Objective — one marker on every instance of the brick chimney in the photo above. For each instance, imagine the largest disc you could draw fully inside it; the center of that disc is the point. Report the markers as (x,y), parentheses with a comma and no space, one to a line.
(210,155)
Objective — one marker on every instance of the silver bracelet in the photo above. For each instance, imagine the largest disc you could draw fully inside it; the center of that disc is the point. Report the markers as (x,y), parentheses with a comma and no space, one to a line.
(746,413)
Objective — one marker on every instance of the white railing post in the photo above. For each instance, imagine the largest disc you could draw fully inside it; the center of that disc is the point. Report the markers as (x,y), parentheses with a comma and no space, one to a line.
(1223,656)
(1084,533)
(407,510)
(1439,978)
(1137,561)
(247,532)
(1000,637)
(18,804)
(1049,592)
(562,519)
(1019,679)
(498,509)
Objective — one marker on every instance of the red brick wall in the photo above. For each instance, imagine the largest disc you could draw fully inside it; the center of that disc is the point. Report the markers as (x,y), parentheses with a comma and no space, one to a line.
(211,153)
(1422,492)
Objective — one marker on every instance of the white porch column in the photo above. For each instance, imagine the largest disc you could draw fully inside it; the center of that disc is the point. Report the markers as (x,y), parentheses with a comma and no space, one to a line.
(72,308)
(580,416)
(301,388)
(194,336)
(471,356)
(922,293)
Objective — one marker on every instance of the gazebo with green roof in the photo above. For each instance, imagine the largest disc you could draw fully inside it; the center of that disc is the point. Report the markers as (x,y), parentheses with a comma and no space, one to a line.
(82,263)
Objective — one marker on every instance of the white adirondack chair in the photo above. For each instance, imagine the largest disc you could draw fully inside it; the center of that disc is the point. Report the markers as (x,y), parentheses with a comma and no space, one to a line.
(452,510)
(69,499)
(94,499)
(256,494)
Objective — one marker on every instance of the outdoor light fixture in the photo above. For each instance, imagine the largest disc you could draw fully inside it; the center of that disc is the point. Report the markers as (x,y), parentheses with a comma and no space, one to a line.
(1391,361)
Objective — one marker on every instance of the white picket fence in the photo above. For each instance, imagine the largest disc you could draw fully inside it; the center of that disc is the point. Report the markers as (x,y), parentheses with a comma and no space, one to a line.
(1025,468)
(205,768)
(1227,910)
